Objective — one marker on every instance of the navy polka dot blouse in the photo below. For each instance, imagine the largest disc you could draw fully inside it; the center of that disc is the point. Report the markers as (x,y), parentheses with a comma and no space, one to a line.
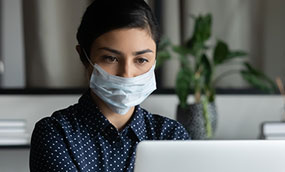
(80,138)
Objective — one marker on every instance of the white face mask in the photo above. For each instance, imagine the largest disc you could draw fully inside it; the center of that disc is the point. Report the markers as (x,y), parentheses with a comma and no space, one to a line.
(119,93)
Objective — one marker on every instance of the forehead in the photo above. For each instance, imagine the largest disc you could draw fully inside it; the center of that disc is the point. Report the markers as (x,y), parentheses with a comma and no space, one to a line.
(126,38)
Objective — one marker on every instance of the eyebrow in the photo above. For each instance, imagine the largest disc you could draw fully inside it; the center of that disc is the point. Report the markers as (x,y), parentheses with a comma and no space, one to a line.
(143,52)
(120,53)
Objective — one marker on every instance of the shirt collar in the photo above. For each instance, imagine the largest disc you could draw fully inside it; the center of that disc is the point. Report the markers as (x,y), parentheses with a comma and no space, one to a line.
(138,124)
(94,117)
(92,114)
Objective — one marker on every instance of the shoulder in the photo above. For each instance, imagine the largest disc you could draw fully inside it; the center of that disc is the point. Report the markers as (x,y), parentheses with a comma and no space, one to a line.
(50,142)
(58,121)
(164,128)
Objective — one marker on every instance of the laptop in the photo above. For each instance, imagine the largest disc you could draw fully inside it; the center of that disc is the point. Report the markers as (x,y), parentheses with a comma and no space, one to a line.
(211,156)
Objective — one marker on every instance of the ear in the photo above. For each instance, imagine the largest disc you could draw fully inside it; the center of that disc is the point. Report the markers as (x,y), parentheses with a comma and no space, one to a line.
(88,68)
(79,50)
(81,55)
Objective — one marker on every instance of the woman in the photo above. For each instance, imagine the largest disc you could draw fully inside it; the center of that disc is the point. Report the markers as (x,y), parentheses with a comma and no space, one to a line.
(117,44)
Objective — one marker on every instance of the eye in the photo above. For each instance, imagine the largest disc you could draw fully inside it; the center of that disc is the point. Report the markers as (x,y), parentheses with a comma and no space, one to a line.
(141,60)
(110,59)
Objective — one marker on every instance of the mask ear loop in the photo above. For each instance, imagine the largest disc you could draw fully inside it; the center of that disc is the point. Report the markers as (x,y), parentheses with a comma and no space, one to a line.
(88,59)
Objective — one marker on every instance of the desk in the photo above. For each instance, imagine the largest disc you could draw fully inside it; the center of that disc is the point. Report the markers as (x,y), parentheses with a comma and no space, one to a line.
(14,158)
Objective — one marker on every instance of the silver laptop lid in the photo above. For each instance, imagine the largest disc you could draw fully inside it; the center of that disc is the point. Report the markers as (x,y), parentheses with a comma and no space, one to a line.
(213,156)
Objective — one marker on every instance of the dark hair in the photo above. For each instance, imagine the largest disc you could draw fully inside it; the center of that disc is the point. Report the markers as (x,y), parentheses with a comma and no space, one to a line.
(106,15)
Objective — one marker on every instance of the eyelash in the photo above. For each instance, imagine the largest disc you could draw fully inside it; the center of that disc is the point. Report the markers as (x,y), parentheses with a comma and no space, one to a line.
(142,60)
(112,59)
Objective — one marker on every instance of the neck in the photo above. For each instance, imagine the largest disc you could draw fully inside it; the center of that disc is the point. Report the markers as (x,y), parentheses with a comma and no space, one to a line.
(119,121)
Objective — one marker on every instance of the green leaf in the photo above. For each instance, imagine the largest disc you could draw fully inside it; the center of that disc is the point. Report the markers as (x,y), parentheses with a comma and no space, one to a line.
(164,43)
(221,52)
(207,75)
(184,61)
(202,32)
(202,28)
(183,82)
(207,69)
(182,50)
(258,79)
(235,54)
(162,56)
(251,69)
(163,53)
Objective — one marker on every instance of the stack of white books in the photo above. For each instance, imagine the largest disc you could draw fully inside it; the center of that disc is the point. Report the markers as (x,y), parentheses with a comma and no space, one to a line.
(273,130)
(13,132)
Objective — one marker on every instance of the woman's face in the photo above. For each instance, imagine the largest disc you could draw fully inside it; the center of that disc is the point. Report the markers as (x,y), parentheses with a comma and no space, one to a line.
(124,52)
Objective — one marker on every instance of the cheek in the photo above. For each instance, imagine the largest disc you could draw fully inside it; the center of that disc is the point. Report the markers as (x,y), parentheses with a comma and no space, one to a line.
(141,70)
(111,69)
(150,64)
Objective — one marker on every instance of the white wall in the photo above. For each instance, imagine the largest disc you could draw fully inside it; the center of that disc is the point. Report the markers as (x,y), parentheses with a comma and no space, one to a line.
(50,40)
(12,44)
(274,37)
(239,116)
(170,28)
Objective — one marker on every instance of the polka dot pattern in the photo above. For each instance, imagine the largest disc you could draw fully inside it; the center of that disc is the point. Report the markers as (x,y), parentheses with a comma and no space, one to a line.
(80,138)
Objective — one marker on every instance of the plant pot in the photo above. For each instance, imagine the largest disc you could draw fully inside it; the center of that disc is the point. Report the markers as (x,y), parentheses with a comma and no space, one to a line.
(193,119)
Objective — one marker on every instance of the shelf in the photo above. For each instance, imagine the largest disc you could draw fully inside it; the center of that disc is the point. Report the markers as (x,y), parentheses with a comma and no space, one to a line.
(27,146)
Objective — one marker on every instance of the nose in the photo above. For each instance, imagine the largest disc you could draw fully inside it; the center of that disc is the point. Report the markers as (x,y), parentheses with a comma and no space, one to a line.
(125,70)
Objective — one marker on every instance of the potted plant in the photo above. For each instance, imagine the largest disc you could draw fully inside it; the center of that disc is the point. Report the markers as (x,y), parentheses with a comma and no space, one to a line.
(196,74)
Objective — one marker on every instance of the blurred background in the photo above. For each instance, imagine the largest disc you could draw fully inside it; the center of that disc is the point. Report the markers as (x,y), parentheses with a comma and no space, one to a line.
(37,51)
(38,38)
